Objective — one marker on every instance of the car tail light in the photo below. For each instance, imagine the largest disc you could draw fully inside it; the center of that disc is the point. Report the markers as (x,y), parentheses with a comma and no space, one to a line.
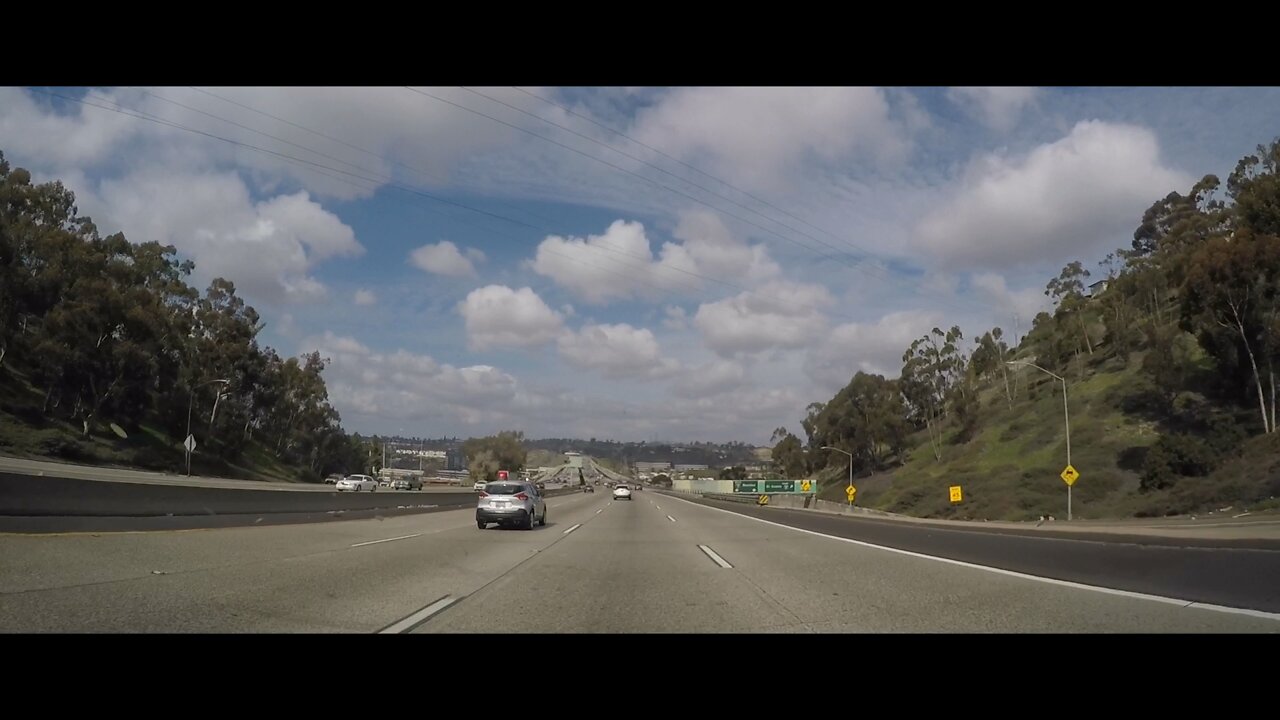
(522,496)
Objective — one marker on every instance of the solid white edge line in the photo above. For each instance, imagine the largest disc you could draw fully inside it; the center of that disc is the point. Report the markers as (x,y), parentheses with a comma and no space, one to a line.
(375,542)
(419,617)
(575,527)
(671,518)
(1011,573)
(715,557)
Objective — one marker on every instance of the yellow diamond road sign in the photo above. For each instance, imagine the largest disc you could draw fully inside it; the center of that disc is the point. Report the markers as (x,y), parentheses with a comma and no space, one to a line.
(956,495)
(804,486)
(851,491)
(1069,475)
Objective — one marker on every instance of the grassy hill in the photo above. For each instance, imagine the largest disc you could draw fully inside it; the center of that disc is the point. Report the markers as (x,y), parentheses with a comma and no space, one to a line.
(1010,469)
(27,432)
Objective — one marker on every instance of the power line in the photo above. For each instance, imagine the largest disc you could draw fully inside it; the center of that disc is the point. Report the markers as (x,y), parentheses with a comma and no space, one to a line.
(391,181)
(141,115)
(677,191)
(376,155)
(728,184)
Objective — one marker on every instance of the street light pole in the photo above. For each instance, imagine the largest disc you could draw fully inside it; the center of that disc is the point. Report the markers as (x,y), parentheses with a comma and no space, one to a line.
(190,403)
(1066,417)
(846,452)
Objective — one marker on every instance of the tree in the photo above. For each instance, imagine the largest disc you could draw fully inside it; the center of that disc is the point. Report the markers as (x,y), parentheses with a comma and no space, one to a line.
(789,456)
(1067,291)
(931,368)
(487,455)
(1231,289)
(737,472)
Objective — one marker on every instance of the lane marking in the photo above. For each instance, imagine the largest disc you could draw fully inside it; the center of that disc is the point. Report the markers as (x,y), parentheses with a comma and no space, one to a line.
(1010,573)
(671,518)
(600,511)
(575,527)
(375,542)
(418,618)
(715,558)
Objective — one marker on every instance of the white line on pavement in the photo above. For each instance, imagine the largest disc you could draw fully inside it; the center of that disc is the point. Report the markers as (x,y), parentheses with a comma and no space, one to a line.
(419,617)
(714,557)
(375,542)
(575,527)
(1010,573)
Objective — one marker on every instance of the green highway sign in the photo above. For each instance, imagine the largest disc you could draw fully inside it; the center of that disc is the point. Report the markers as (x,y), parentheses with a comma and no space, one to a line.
(777,486)
(746,486)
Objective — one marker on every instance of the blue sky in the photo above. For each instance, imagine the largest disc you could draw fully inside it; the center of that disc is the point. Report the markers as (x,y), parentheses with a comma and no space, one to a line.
(737,255)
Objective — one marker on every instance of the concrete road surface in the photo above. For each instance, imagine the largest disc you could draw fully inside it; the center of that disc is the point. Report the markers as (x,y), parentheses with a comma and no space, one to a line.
(654,564)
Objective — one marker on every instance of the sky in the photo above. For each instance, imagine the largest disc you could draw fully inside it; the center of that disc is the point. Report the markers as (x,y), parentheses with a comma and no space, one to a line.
(680,263)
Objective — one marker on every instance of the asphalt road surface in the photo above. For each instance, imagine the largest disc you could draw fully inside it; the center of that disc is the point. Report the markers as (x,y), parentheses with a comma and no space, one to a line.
(654,564)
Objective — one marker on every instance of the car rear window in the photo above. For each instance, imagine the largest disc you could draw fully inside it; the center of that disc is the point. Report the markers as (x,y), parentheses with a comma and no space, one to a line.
(503,488)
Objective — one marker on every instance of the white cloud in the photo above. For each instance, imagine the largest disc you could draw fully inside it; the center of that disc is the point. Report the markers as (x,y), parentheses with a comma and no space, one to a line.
(1078,195)
(600,268)
(676,318)
(267,248)
(443,258)
(875,348)
(497,316)
(761,137)
(778,314)
(1025,303)
(996,107)
(710,379)
(616,351)
(365,297)
(426,137)
(619,263)
(406,386)
(715,252)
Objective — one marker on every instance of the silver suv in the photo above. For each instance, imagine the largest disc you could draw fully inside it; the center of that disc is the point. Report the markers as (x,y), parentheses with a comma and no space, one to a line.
(511,502)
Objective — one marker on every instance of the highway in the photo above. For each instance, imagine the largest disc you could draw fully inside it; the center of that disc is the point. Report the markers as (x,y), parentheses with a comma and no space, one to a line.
(656,564)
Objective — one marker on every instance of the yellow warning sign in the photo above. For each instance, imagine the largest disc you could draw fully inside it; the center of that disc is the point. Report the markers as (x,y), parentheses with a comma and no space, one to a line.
(764,500)
(956,495)
(851,491)
(805,485)
(1069,475)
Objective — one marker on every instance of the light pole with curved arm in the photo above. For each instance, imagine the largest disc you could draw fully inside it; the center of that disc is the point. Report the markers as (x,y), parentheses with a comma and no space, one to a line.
(189,404)
(1065,416)
(846,452)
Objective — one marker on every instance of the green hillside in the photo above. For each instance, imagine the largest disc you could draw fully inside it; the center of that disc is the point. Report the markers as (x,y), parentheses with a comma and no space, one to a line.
(1170,374)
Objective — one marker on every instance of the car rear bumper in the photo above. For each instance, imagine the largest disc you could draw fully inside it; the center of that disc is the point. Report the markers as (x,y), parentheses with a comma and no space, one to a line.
(501,516)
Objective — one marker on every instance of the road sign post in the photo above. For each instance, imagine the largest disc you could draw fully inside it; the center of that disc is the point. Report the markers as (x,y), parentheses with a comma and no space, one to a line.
(851,492)
(1069,476)
(190,445)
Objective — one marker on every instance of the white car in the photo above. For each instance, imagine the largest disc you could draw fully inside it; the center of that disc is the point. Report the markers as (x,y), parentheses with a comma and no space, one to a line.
(356,483)
(478,485)
(622,492)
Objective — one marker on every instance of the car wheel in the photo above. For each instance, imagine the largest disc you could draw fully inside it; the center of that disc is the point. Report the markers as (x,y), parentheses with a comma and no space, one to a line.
(482,525)
(528,520)
(543,521)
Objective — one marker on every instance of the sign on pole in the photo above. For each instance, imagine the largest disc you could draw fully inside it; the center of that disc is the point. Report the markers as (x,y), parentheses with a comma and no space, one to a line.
(852,492)
(956,495)
(190,443)
(1070,475)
